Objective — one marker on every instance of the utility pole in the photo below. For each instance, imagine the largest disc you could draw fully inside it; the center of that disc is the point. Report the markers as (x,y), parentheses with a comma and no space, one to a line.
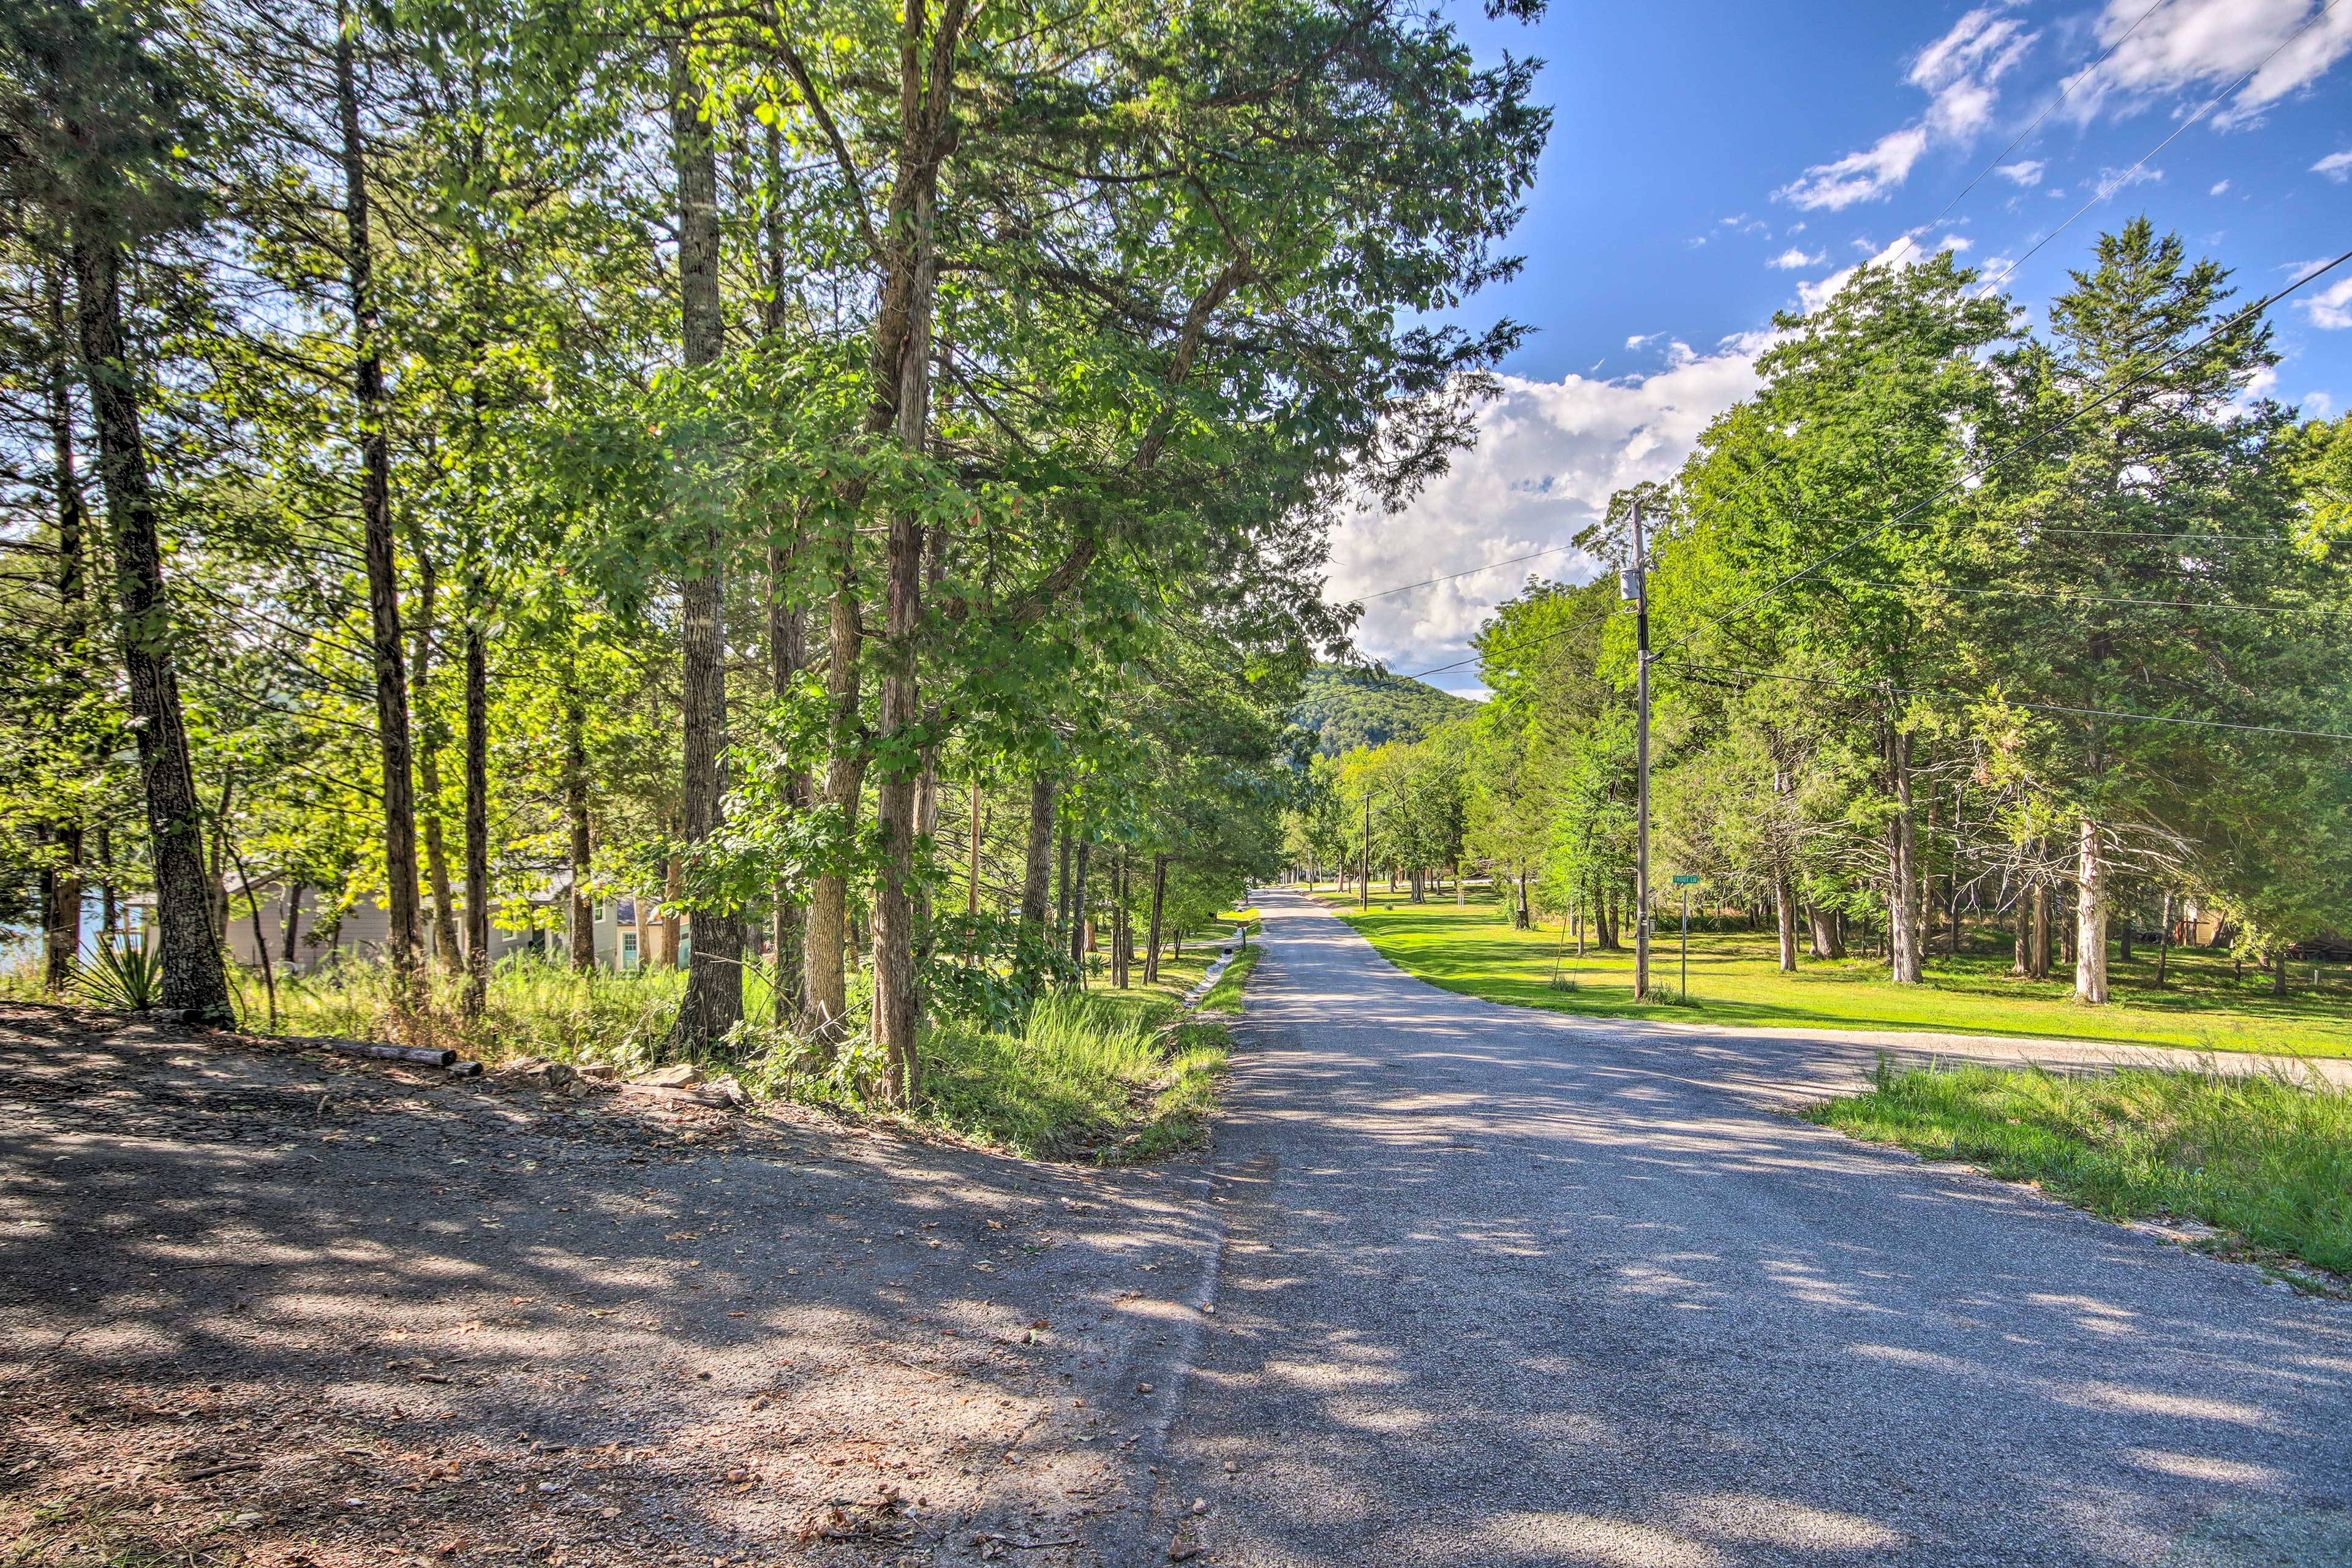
(1364,887)
(1635,585)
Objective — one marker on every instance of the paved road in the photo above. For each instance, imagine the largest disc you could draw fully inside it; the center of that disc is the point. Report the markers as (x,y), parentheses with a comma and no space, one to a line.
(1508,1287)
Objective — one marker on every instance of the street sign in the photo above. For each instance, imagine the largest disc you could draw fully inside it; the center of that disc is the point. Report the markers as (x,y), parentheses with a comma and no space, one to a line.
(1685,881)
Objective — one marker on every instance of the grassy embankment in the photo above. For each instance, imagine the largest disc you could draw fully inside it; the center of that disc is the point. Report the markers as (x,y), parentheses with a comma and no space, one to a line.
(1107,1074)
(1733,980)
(2267,1162)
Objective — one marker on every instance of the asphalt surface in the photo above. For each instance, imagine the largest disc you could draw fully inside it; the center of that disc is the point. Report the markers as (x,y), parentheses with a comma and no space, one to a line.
(1501,1286)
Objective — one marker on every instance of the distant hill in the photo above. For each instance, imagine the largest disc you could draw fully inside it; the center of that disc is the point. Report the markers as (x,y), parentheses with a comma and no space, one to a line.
(1352,708)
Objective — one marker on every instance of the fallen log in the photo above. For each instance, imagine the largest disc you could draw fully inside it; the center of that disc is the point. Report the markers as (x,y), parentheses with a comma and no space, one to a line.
(424,1056)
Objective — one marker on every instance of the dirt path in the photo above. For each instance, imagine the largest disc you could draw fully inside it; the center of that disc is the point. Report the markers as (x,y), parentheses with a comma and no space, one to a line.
(265,1309)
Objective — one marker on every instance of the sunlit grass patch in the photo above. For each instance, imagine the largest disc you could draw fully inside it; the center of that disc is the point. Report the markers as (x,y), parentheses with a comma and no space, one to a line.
(1085,1075)
(1226,996)
(2205,1004)
(2265,1160)
(530,1008)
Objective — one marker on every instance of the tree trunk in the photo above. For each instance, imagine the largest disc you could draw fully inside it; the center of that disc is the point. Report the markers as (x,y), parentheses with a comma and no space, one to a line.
(1062,890)
(1159,904)
(787,657)
(713,1004)
(1902,932)
(62,882)
(107,913)
(1078,908)
(2091,915)
(2163,936)
(1784,904)
(446,953)
(2037,944)
(478,804)
(2278,974)
(1459,897)
(673,896)
(1037,873)
(375,510)
(260,937)
(901,362)
(826,983)
(972,850)
(583,924)
(193,975)
(293,923)
(1119,950)
(217,881)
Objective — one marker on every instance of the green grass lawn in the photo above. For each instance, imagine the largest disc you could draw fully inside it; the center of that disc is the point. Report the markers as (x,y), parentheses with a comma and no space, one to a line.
(1733,980)
(2268,1163)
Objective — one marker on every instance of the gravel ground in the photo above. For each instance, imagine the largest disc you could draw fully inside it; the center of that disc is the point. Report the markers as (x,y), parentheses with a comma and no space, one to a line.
(262,1308)
(1503,1287)
(1461,1284)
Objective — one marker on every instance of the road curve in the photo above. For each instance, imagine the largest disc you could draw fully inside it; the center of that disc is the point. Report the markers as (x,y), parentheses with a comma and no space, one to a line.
(1503,1287)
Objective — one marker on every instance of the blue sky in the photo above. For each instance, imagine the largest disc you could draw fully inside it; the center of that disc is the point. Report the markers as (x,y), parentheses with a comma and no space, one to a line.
(1711,163)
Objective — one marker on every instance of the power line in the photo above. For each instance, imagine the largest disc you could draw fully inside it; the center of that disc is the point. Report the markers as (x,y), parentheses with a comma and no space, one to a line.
(2142,533)
(1473,572)
(2116,599)
(2109,187)
(2027,444)
(2077,79)
(1514,648)
(2012,702)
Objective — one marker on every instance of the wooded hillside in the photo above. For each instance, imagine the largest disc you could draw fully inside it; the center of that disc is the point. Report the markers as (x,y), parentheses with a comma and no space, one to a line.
(1352,709)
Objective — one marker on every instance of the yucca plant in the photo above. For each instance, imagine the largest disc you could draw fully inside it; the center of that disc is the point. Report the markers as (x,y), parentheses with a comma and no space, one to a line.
(126,979)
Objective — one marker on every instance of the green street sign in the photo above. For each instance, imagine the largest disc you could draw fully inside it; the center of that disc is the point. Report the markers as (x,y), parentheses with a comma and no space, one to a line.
(1685,882)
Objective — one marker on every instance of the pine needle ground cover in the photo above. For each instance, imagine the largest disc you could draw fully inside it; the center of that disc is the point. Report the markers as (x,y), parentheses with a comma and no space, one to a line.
(2267,1161)
(2205,1005)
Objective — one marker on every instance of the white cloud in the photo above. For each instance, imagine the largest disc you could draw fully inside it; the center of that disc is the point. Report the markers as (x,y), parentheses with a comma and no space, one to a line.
(2331,308)
(2114,180)
(1906,252)
(2221,187)
(1960,72)
(1791,259)
(2317,405)
(1549,454)
(1638,339)
(2336,166)
(2024,172)
(2211,43)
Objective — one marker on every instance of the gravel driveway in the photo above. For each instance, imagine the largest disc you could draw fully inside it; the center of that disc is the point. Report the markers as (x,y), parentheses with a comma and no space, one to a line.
(1503,1287)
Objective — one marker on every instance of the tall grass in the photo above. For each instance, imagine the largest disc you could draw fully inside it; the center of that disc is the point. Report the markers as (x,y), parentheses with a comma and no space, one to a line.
(1084,1075)
(530,1008)
(1110,1076)
(1226,996)
(2266,1160)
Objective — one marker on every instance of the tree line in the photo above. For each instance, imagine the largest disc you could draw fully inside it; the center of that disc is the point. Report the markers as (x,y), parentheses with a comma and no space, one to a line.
(1958,615)
(462,452)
